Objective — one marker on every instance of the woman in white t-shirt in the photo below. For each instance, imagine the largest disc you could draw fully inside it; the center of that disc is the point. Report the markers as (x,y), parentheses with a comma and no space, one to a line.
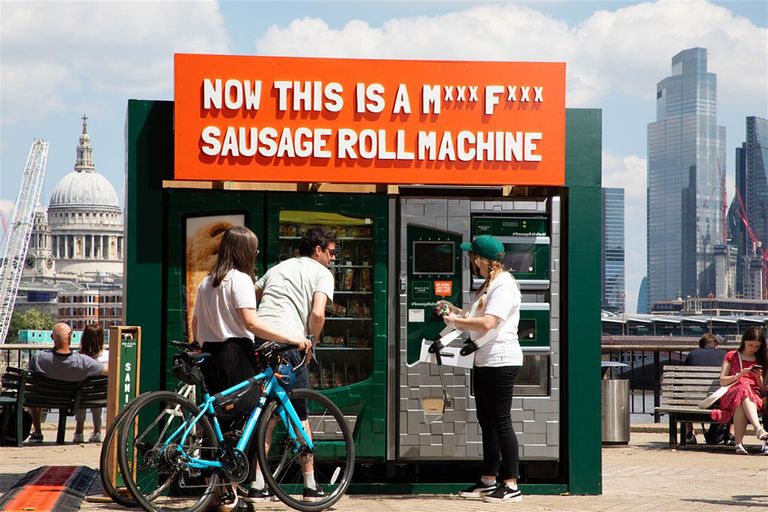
(225,321)
(492,325)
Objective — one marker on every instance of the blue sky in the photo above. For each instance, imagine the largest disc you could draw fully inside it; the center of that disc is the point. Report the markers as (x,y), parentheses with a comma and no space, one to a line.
(59,60)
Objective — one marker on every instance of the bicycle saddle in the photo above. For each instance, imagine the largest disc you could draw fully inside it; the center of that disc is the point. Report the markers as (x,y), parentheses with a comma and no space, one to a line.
(194,358)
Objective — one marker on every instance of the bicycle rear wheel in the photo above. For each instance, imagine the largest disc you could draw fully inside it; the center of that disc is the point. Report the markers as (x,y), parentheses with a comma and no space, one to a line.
(283,460)
(109,467)
(152,461)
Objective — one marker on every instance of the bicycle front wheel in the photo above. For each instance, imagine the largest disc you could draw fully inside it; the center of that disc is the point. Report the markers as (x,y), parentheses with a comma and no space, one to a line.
(153,459)
(283,459)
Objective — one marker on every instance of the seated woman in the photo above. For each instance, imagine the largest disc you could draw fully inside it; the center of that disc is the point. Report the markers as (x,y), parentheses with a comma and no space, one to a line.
(744,369)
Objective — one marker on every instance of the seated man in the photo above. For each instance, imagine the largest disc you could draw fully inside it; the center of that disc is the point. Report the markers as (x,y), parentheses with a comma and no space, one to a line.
(61,363)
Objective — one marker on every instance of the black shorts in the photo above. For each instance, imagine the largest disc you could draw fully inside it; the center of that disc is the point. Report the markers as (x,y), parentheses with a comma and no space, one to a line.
(232,361)
(295,357)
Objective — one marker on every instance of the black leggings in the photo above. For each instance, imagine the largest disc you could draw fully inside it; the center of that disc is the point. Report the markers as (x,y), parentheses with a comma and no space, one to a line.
(493,396)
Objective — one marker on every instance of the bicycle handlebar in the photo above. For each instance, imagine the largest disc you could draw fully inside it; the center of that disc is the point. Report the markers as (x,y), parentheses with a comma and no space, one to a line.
(307,354)
(282,347)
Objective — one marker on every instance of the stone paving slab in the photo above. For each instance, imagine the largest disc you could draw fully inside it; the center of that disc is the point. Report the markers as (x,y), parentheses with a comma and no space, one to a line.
(644,476)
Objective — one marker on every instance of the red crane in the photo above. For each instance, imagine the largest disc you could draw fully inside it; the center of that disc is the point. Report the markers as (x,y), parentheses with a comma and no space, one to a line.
(757,245)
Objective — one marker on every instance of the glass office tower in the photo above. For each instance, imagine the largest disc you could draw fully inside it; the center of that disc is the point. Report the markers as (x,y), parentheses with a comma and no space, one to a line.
(613,250)
(752,187)
(686,148)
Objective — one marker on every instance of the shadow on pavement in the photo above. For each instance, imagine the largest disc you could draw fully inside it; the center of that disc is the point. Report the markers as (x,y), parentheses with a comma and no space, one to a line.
(740,501)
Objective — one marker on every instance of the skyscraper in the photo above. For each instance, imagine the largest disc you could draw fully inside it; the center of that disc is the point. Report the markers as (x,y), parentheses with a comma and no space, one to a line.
(642,297)
(613,249)
(751,204)
(686,148)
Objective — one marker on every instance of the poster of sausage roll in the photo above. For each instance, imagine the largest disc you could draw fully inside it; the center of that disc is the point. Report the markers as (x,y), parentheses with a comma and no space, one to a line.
(203,236)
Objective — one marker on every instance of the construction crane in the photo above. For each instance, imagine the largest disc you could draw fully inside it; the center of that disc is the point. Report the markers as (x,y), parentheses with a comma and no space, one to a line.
(757,244)
(19,230)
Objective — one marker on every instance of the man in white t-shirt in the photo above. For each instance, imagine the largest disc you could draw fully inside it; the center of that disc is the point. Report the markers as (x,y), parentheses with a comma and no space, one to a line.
(292,295)
(292,298)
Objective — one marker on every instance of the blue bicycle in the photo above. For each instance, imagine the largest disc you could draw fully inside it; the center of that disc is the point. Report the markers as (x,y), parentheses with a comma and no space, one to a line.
(176,457)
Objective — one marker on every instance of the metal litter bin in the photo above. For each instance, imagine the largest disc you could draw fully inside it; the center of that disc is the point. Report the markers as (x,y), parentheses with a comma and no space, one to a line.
(614,401)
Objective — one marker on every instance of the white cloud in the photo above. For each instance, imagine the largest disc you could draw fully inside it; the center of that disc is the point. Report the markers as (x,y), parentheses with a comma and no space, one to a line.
(55,53)
(610,52)
(629,173)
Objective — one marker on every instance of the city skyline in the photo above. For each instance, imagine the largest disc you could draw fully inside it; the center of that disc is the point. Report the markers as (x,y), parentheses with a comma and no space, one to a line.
(750,206)
(685,149)
(614,292)
(55,67)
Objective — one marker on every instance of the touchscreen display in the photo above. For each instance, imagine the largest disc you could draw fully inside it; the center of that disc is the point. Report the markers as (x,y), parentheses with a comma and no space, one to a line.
(433,257)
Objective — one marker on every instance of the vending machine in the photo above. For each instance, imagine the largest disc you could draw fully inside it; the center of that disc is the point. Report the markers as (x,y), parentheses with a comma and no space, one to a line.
(398,253)
(431,267)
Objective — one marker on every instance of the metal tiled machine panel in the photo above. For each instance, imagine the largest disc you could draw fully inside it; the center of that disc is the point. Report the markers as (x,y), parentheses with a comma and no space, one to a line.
(456,433)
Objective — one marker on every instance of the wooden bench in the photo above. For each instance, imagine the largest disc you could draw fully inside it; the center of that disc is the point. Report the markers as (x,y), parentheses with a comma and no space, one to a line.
(682,388)
(22,388)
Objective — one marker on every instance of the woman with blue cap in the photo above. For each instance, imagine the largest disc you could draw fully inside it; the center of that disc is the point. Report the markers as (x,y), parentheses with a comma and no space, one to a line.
(492,325)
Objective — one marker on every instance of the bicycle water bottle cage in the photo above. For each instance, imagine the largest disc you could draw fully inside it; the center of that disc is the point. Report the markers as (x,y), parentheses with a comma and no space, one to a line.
(285,375)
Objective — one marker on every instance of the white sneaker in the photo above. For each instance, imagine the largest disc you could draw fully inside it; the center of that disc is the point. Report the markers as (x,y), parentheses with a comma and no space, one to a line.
(77,438)
(765,448)
(95,437)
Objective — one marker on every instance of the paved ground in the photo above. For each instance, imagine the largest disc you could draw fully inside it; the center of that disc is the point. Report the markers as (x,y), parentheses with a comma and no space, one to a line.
(644,476)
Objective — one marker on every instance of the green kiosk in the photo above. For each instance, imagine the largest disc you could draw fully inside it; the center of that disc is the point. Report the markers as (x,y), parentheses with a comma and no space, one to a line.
(404,160)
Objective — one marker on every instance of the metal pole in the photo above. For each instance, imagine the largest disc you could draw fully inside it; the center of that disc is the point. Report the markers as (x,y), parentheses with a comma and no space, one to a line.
(656,385)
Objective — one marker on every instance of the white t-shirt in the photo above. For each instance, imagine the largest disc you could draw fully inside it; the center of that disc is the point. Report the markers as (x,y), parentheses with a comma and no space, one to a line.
(502,347)
(289,286)
(216,308)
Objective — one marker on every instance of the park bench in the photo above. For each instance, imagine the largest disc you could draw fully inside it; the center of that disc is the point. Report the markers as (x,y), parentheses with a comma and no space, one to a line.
(682,388)
(22,388)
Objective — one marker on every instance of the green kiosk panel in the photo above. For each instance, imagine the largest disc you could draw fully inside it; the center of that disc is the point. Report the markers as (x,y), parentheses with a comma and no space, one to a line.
(434,273)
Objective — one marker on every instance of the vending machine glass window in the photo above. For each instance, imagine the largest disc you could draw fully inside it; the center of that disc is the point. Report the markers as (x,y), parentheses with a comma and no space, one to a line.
(526,329)
(344,353)
(524,262)
(533,379)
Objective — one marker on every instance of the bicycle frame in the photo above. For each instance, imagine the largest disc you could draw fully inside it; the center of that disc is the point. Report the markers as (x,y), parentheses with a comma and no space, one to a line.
(272,389)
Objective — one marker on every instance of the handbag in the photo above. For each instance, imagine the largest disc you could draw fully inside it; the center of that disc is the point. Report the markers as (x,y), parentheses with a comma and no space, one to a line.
(718,393)
(714,397)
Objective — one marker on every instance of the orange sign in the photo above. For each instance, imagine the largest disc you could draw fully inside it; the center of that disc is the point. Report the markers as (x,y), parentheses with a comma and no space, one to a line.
(443,288)
(369,121)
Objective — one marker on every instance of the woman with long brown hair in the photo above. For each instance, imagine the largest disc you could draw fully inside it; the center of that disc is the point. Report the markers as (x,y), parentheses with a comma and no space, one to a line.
(492,325)
(91,345)
(225,322)
(744,370)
